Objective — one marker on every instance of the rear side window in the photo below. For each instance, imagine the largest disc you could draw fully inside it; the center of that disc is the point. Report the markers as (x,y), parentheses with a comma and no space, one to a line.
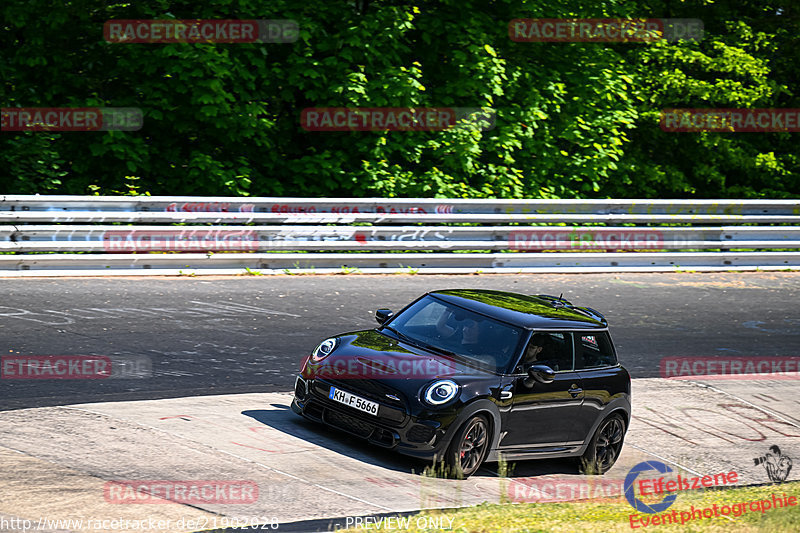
(594,350)
(553,349)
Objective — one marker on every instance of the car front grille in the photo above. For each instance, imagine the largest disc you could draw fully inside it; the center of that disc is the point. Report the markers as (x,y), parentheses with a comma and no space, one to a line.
(348,423)
(390,411)
(300,389)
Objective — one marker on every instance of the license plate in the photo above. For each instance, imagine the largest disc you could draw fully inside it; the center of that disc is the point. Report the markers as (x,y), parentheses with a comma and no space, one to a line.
(354,401)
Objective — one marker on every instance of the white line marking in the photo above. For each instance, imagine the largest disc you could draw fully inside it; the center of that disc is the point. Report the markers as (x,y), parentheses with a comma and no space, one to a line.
(242,308)
(698,474)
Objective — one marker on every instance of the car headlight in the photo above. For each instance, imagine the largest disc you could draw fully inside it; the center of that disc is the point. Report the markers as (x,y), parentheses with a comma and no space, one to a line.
(324,349)
(441,392)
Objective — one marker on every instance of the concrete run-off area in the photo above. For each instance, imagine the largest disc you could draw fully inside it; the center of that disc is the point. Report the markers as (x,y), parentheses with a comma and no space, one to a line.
(59,462)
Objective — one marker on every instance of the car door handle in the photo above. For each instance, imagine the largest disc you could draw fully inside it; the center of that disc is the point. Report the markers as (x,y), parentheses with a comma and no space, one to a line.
(575,391)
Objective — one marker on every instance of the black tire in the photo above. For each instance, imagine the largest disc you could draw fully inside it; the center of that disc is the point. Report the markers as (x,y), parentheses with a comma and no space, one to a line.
(605,446)
(469,448)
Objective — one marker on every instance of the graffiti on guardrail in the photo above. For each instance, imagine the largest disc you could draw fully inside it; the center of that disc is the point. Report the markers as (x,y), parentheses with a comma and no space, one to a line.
(232,240)
(422,234)
(343,209)
(406,206)
(296,224)
(207,207)
(253,238)
(440,236)
(629,209)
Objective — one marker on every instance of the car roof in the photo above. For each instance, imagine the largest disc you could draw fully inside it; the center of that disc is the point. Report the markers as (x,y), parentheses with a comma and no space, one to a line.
(532,312)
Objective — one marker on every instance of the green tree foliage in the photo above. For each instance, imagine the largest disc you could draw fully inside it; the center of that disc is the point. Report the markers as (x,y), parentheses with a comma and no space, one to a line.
(573,119)
(748,59)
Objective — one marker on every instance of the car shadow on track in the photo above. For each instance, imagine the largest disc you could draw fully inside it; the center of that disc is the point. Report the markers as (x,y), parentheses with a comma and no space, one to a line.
(281,418)
(284,420)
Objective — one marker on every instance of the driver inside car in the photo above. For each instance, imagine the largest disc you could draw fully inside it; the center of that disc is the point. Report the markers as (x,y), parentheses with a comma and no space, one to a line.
(443,327)
(470,330)
(470,335)
(541,350)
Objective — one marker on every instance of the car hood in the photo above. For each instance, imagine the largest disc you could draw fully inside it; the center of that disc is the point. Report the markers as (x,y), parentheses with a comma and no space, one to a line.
(371,355)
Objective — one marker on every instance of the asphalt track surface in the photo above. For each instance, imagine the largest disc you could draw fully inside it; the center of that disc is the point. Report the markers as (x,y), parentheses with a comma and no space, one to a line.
(202,370)
(198,336)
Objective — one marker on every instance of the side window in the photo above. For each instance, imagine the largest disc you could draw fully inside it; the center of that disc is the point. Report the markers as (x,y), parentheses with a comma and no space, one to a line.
(594,350)
(553,349)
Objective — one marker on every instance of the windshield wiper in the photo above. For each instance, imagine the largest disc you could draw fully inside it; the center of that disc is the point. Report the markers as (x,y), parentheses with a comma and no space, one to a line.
(402,336)
(439,350)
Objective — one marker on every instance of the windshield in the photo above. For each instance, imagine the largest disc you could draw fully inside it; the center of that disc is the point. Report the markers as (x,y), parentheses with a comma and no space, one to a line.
(437,325)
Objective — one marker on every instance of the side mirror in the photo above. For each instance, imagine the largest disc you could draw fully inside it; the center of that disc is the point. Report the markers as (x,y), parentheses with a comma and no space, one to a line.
(382,315)
(540,373)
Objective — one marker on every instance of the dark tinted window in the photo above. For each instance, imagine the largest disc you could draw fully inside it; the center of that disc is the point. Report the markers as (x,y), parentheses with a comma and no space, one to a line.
(553,349)
(482,340)
(594,350)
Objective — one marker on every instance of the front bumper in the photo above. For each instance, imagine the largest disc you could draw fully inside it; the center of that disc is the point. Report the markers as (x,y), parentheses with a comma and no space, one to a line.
(394,427)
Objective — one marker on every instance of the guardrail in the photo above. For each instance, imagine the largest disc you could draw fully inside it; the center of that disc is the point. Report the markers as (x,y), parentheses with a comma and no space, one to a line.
(194,204)
(89,235)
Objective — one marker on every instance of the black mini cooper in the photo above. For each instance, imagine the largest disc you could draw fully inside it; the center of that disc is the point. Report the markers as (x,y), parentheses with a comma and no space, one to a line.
(464,376)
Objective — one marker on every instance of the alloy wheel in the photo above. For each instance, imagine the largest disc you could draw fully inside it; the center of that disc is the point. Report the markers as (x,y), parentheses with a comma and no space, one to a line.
(473,445)
(609,443)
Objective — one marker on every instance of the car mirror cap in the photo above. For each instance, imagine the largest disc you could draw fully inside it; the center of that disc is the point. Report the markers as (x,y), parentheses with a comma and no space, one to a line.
(542,373)
(382,315)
